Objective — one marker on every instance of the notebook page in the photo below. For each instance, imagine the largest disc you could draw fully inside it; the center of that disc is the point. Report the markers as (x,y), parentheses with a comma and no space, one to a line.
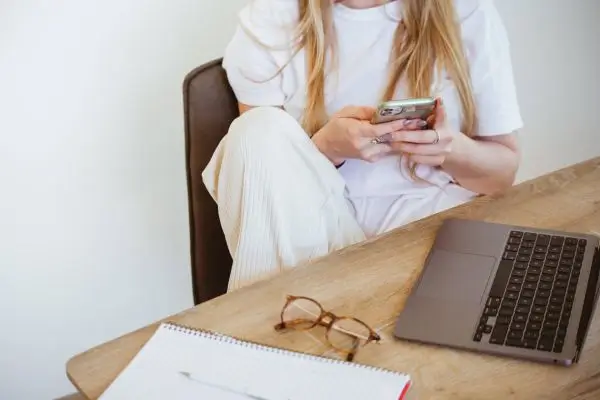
(177,365)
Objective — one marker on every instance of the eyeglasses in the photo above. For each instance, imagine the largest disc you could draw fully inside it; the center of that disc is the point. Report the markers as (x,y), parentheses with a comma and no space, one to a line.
(344,334)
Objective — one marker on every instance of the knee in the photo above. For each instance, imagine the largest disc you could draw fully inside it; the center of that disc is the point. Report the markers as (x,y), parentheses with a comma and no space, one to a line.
(263,129)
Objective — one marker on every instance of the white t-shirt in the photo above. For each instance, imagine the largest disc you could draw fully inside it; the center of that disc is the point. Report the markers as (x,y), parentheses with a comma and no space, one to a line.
(382,194)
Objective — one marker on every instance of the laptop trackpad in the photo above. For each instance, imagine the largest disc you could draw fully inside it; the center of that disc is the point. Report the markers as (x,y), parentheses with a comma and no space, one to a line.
(456,276)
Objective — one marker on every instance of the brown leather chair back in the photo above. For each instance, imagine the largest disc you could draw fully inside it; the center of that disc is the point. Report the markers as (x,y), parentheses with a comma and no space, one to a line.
(210,106)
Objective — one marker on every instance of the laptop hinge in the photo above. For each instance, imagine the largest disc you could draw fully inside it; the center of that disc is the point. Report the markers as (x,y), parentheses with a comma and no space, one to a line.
(589,304)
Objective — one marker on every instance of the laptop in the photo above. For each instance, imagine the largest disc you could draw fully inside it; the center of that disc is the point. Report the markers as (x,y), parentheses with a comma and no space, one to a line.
(505,290)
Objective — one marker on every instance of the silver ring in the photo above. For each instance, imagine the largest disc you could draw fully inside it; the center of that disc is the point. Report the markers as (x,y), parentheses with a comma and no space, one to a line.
(376,140)
(437,137)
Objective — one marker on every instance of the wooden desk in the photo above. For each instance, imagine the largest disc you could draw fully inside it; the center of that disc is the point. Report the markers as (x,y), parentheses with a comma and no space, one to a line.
(371,281)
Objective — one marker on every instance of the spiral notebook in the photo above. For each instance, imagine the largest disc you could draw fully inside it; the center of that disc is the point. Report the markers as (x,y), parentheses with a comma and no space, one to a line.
(182,363)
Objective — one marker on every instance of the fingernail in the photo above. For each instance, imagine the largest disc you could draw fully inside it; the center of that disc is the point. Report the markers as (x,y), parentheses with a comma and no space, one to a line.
(422,123)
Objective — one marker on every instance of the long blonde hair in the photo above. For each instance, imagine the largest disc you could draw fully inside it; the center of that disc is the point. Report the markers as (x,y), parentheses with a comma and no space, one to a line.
(427,38)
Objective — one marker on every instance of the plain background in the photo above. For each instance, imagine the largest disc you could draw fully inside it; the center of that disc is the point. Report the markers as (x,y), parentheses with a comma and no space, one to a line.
(93,209)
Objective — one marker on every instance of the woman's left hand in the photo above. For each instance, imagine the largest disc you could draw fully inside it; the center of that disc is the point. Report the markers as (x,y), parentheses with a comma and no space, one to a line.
(427,147)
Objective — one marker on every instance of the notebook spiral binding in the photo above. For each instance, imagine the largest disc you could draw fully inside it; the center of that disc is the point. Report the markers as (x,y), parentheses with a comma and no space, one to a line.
(245,343)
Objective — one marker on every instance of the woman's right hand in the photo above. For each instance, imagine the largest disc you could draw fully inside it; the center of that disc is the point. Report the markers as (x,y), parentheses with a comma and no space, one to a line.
(349,135)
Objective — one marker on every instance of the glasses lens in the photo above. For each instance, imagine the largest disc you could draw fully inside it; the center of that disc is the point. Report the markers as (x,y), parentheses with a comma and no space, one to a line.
(347,333)
(301,314)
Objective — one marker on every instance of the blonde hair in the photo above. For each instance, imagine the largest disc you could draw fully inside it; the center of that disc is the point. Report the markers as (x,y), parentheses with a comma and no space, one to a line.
(427,38)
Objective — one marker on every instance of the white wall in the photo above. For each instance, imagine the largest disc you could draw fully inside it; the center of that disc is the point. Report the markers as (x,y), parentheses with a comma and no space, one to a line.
(94,231)
(556,58)
(93,211)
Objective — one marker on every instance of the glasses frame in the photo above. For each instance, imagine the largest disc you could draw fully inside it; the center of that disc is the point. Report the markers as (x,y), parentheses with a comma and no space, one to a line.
(326,319)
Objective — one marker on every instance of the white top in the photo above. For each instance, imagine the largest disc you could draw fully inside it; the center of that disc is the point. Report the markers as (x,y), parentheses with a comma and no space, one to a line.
(382,193)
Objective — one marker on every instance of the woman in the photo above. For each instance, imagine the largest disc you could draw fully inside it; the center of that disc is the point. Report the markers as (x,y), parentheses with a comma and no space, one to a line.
(302,172)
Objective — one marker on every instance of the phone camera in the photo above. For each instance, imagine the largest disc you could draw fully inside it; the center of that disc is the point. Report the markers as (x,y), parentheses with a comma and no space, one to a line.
(391,111)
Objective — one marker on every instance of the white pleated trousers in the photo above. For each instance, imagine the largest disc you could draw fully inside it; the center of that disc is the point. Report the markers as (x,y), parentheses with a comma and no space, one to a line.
(281,202)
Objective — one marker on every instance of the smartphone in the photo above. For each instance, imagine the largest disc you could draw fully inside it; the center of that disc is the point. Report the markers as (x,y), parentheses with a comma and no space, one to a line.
(404,109)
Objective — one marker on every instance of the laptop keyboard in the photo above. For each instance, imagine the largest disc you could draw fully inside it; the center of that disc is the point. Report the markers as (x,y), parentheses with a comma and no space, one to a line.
(530,302)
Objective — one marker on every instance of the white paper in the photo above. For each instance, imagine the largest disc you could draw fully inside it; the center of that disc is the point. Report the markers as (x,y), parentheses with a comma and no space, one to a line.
(179,365)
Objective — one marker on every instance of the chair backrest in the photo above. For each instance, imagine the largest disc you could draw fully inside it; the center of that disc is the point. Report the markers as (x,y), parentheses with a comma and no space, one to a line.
(210,106)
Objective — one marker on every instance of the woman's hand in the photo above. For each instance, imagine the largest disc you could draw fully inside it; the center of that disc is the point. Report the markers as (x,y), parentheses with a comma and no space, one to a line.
(349,134)
(428,147)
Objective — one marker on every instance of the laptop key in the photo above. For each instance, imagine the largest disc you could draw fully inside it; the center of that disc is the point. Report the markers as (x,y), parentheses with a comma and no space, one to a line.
(517,326)
(529,236)
(558,348)
(527,251)
(501,280)
(514,334)
(527,293)
(513,288)
(568,254)
(545,345)
(514,342)
(545,286)
(512,247)
(512,296)
(554,308)
(536,318)
(534,326)
(498,334)
(540,301)
(543,240)
(551,316)
(490,311)
(532,334)
(525,301)
(571,241)
(523,310)
(494,302)
(510,304)
(520,318)
(536,263)
(543,293)
(539,310)
(520,266)
(550,324)
(477,337)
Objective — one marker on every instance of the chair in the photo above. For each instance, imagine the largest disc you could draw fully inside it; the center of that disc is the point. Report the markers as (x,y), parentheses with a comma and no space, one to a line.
(209,108)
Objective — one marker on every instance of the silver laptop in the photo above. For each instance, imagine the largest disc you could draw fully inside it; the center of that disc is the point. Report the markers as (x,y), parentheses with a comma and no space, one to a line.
(505,290)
